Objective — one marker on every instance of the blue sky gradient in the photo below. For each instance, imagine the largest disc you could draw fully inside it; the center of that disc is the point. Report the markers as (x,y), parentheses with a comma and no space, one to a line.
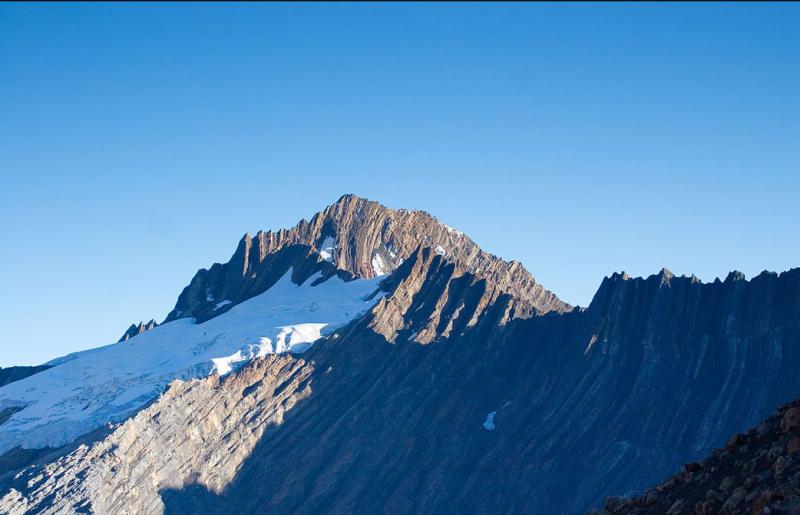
(139,142)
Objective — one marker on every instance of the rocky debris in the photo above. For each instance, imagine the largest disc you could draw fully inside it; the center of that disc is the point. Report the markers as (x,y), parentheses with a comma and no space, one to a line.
(135,330)
(368,240)
(11,374)
(755,472)
(197,432)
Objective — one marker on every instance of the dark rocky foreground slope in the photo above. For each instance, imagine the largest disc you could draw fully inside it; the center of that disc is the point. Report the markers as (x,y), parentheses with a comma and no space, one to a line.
(755,472)
(448,396)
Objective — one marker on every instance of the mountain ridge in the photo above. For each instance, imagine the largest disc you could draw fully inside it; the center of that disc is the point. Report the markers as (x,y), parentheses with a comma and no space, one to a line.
(452,391)
(366,239)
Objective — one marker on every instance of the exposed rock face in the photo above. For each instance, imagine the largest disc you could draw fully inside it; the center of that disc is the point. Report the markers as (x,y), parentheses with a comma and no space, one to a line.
(135,330)
(755,472)
(199,431)
(433,299)
(363,238)
(494,413)
(11,374)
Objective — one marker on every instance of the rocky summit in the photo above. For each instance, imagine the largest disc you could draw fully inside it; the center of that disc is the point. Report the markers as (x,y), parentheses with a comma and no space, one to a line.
(377,360)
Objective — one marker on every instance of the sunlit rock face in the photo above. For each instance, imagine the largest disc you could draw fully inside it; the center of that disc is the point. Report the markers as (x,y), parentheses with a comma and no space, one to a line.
(198,431)
(361,238)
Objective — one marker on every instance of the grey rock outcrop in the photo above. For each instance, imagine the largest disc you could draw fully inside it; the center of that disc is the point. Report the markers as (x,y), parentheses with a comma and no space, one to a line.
(135,330)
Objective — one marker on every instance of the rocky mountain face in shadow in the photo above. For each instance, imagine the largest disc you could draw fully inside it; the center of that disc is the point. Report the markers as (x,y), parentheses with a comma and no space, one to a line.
(472,411)
(11,374)
(459,391)
(755,472)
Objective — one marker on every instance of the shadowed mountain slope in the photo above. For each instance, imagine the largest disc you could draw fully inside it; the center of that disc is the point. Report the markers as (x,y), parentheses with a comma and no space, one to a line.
(471,410)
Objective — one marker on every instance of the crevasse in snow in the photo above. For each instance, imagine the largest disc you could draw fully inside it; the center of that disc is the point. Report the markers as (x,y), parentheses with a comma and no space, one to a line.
(91,388)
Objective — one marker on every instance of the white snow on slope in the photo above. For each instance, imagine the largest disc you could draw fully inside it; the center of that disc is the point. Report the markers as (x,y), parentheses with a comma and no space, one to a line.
(327,249)
(221,304)
(92,388)
(377,266)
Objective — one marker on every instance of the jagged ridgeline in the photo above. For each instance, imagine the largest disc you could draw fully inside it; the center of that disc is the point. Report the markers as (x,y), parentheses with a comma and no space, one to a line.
(357,238)
(440,379)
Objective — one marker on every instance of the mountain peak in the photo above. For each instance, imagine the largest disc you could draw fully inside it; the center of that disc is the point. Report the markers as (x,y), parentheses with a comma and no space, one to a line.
(735,276)
(365,239)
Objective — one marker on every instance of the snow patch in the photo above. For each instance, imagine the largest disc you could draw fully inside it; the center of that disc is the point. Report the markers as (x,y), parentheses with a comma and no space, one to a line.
(439,250)
(327,248)
(488,424)
(221,304)
(378,266)
(92,388)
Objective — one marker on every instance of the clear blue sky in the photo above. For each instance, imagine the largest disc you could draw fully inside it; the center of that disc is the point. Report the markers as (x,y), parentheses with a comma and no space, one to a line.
(139,142)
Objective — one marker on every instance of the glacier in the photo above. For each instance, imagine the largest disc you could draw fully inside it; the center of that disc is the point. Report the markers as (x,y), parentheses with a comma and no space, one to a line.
(90,389)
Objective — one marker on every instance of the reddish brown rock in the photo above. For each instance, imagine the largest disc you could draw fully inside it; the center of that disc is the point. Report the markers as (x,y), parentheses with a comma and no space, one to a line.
(761,476)
(791,419)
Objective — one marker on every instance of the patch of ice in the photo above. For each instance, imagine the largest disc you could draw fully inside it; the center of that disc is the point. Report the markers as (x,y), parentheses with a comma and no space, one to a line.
(209,295)
(92,388)
(221,304)
(439,250)
(488,424)
(326,250)
(377,265)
